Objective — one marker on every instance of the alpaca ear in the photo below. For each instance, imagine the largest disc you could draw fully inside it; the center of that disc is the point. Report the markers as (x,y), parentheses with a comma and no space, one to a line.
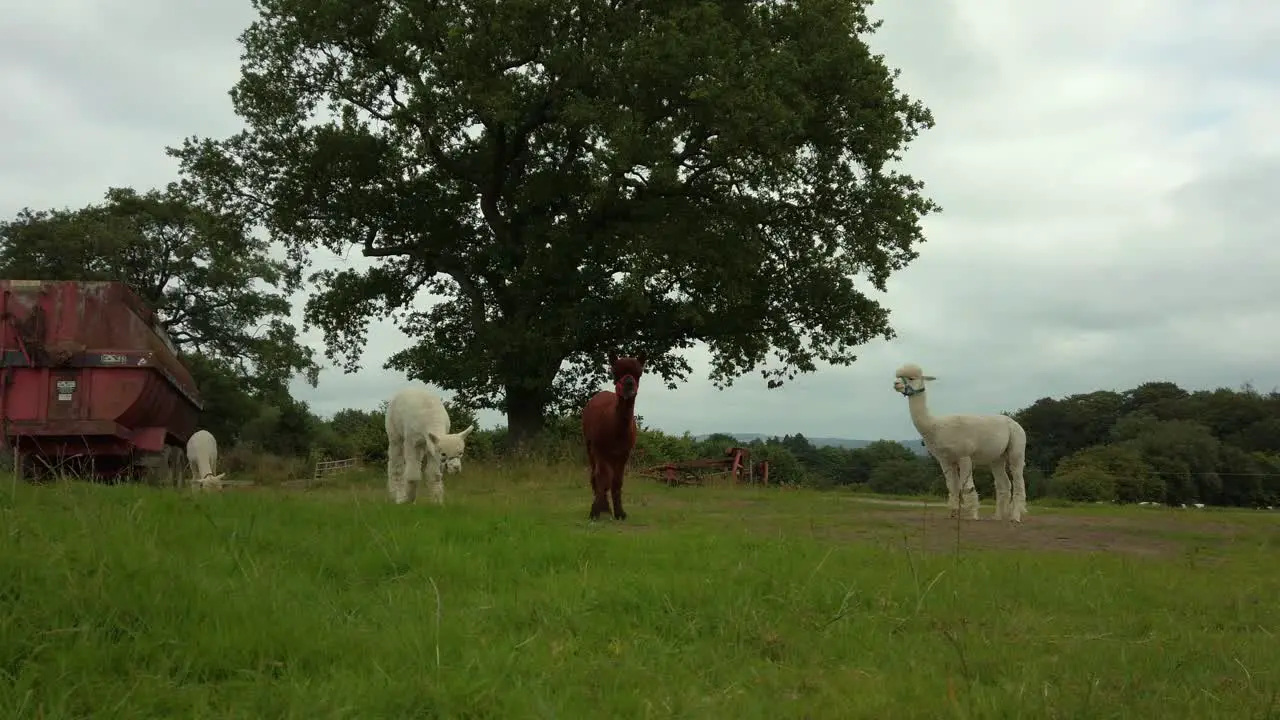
(468,431)
(613,357)
(432,437)
(928,377)
(643,357)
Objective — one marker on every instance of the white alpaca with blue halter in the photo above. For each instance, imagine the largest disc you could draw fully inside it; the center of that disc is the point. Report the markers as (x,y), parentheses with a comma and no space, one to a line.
(962,442)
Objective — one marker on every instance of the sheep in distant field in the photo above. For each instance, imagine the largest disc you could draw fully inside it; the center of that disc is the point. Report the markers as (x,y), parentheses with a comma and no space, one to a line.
(418,440)
(959,442)
(202,456)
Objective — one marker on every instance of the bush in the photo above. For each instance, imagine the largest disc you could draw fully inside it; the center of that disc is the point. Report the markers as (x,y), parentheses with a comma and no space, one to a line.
(907,477)
(244,462)
(1084,484)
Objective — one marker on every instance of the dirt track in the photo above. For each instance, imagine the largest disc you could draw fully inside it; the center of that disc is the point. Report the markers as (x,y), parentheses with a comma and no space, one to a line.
(1163,531)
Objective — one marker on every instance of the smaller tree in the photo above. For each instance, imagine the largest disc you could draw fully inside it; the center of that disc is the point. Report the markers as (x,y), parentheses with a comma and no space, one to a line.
(832,467)
(1184,453)
(1130,474)
(283,426)
(714,445)
(784,468)
(1268,464)
(355,433)
(1083,483)
(216,288)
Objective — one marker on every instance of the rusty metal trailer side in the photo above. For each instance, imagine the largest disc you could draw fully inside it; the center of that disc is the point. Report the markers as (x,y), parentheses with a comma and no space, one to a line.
(90,380)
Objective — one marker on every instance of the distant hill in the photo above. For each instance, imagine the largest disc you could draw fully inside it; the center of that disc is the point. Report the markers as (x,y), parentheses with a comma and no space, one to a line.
(912,445)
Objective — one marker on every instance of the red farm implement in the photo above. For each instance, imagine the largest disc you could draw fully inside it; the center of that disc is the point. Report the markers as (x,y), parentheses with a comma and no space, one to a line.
(734,467)
(90,384)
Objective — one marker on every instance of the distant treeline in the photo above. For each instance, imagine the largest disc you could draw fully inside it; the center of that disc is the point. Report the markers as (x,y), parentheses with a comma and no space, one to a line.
(1156,442)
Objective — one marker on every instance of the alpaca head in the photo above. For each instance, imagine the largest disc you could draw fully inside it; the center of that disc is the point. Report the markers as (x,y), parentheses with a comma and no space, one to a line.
(450,448)
(910,379)
(626,374)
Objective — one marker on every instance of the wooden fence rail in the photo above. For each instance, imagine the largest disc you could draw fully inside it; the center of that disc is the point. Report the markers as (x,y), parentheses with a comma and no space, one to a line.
(329,467)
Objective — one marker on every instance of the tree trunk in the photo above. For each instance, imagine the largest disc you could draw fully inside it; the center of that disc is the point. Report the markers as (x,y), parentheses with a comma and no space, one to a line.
(526,414)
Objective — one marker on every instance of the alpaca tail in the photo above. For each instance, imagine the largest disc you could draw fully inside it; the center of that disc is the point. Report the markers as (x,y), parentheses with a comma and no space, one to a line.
(1015,452)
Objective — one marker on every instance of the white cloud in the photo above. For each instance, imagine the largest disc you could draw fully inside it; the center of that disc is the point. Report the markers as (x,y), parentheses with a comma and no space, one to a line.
(1108,175)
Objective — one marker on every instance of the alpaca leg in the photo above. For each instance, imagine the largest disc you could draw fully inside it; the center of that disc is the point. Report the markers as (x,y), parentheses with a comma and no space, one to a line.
(1019,502)
(395,471)
(413,453)
(435,478)
(1003,505)
(969,493)
(599,488)
(951,474)
(593,480)
(615,489)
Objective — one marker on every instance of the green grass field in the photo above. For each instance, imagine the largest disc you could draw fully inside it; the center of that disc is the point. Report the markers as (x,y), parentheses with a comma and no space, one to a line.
(133,602)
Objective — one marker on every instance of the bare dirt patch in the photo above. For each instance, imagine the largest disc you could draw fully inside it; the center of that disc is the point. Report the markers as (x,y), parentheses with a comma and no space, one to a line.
(931,529)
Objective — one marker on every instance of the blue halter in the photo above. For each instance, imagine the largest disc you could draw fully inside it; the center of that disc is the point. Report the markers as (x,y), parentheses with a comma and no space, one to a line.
(907,389)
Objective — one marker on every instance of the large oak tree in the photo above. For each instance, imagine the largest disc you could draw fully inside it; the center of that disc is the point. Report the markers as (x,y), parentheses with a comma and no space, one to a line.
(572,177)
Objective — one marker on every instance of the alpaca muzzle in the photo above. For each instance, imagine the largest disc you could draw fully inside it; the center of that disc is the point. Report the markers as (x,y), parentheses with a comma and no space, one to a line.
(626,387)
(903,386)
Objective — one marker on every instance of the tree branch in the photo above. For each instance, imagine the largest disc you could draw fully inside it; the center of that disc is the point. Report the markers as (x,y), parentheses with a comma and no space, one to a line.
(434,263)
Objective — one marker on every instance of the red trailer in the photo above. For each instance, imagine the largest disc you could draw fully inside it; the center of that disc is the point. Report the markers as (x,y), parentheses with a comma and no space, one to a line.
(90,383)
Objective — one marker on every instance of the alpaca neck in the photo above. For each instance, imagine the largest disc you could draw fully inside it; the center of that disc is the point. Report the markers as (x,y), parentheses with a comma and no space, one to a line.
(920,416)
(625,410)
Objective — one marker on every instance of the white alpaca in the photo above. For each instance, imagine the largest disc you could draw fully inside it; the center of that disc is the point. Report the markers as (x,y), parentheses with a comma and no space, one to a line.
(959,442)
(202,456)
(418,440)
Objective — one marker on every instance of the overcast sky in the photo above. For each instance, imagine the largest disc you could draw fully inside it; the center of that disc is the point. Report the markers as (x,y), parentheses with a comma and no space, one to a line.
(1109,173)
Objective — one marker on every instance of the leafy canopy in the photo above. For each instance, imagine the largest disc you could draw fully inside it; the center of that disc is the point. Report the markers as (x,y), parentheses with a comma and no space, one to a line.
(213,284)
(560,179)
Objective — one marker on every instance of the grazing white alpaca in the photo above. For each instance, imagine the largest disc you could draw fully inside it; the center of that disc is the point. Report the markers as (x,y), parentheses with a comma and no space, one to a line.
(202,456)
(959,442)
(418,440)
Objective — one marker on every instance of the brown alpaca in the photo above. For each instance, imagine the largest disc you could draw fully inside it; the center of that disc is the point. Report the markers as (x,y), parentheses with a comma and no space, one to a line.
(609,429)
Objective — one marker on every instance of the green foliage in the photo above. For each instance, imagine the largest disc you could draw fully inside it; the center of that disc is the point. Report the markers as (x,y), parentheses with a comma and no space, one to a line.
(1160,442)
(1122,475)
(1183,452)
(907,476)
(655,446)
(573,179)
(228,405)
(282,425)
(784,467)
(1083,483)
(352,433)
(863,461)
(218,292)
(1061,427)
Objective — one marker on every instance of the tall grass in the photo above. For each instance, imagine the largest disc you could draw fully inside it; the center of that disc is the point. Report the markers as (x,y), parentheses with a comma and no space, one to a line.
(135,602)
